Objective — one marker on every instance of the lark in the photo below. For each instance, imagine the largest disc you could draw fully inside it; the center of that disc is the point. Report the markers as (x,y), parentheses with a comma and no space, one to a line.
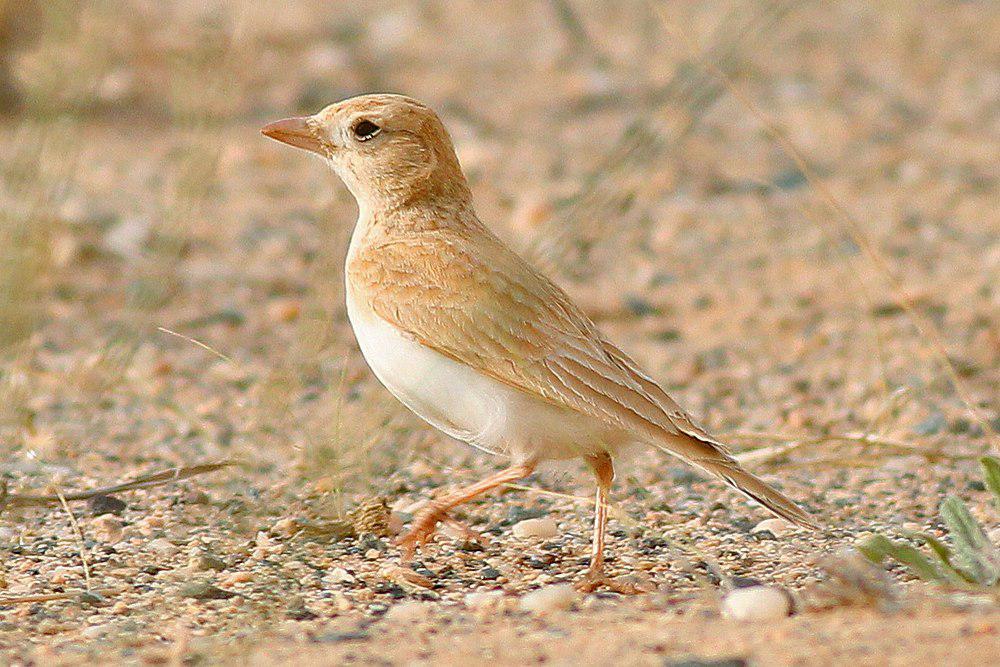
(471,338)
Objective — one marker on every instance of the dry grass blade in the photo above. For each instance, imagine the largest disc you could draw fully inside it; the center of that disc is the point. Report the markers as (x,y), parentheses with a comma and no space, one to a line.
(786,444)
(78,534)
(49,597)
(141,482)
(197,342)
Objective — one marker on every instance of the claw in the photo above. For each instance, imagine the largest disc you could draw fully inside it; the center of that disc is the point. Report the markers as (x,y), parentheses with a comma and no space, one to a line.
(424,527)
(595,578)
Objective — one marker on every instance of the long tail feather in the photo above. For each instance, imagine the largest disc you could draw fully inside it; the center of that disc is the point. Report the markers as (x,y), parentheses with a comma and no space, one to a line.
(711,456)
(757,489)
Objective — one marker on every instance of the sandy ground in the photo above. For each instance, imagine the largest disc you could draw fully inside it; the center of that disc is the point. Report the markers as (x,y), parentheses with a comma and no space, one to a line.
(138,196)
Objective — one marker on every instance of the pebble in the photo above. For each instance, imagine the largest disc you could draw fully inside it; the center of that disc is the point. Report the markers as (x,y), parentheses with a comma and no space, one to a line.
(757,603)
(196,497)
(777,527)
(107,528)
(205,562)
(240,577)
(99,505)
(286,527)
(339,575)
(550,599)
(543,528)
(95,631)
(163,547)
(92,598)
(205,591)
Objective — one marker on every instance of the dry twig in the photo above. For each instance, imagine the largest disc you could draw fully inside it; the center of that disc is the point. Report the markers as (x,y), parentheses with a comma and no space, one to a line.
(785,444)
(78,534)
(141,482)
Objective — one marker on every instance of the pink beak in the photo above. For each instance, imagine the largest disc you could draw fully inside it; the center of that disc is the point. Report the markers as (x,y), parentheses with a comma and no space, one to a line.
(294,132)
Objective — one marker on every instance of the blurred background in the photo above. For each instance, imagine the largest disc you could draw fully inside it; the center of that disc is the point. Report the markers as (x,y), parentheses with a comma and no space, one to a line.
(627,147)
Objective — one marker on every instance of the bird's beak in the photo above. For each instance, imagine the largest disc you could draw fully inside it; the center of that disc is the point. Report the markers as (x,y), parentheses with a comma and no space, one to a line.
(294,132)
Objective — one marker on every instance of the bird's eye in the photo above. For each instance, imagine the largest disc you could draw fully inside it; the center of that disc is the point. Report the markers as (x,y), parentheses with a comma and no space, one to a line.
(365,130)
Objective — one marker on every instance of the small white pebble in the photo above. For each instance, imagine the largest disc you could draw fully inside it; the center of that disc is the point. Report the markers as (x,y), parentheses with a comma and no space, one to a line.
(408,612)
(339,575)
(373,554)
(756,603)
(549,599)
(95,631)
(777,527)
(543,528)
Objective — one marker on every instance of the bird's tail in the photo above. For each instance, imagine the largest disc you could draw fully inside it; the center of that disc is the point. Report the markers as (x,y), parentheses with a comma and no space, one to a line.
(757,489)
(702,450)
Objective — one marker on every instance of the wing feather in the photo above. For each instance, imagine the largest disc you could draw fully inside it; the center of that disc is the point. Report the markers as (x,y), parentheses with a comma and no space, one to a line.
(504,319)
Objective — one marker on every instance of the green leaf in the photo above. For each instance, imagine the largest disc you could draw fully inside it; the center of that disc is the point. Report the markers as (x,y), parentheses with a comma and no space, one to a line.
(877,547)
(971,544)
(943,554)
(991,476)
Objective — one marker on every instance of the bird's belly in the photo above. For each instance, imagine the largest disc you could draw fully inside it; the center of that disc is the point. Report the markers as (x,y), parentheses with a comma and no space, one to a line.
(468,405)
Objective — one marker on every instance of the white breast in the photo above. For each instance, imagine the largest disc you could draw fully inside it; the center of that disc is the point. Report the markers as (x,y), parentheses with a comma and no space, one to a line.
(465,404)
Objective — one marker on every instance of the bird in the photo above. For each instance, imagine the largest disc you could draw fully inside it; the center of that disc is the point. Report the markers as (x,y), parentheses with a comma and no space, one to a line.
(472,338)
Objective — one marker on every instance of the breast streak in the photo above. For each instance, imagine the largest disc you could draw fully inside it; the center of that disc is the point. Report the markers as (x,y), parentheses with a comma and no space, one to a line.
(465,404)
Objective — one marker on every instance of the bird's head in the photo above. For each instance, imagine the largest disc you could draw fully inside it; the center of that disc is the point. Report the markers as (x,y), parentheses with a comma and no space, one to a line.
(390,150)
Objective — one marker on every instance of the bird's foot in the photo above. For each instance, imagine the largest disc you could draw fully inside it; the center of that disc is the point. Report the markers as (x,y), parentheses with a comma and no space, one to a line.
(423,529)
(595,578)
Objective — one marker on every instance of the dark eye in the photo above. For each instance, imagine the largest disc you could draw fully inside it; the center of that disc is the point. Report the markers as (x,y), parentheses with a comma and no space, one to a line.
(365,130)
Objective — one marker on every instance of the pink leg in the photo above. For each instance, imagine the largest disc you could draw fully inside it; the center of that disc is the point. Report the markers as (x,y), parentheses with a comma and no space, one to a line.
(426,521)
(604,471)
(595,578)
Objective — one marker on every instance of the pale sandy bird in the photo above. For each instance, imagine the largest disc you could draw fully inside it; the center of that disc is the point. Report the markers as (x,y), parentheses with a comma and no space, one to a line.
(473,339)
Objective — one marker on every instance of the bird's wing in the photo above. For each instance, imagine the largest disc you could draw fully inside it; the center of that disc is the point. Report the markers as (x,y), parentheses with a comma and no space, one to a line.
(477,302)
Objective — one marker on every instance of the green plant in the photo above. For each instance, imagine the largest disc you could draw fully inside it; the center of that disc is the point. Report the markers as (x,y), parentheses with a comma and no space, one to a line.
(971,560)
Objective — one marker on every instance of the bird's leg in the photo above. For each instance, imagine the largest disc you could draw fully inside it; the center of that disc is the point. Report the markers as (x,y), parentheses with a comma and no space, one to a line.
(427,519)
(604,471)
(594,577)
